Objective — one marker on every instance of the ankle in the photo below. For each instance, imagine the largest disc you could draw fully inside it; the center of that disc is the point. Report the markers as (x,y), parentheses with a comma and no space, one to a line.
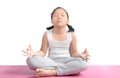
(53,72)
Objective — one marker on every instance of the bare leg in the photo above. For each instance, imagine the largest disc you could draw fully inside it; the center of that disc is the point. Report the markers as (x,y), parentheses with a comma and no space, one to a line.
(44,72)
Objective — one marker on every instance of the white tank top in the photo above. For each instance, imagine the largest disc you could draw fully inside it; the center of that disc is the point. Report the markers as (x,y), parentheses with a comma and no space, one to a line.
(58,48)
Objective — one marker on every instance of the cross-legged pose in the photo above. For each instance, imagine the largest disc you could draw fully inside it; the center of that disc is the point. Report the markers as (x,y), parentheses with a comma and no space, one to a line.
(60,42)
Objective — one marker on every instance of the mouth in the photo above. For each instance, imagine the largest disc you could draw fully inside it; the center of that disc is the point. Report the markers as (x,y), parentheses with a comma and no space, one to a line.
(59,21)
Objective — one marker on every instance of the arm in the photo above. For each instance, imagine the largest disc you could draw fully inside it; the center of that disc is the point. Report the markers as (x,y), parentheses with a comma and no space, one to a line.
(43,49)
(73,49)
(44,46)
(73,46)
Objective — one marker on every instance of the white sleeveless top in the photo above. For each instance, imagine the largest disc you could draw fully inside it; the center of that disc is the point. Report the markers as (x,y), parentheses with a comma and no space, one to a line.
(58,48)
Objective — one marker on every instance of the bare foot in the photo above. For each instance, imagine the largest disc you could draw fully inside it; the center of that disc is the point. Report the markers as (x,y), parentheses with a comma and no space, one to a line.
(75,74)
(43,72)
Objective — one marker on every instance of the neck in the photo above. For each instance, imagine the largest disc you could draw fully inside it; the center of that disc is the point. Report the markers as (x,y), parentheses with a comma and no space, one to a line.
(59,30)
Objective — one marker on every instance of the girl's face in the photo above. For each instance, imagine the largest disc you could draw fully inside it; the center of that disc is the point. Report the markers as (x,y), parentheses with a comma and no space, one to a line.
(59,18)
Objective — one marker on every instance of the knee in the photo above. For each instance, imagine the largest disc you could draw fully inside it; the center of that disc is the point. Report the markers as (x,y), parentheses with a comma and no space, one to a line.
(32,62)
(29,60)
(84,65)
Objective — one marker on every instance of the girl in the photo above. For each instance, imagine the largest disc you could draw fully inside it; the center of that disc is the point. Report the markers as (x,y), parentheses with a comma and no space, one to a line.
(63,57)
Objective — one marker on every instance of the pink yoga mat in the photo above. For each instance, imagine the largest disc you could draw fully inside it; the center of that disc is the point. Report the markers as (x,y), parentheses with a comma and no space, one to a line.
(22,71)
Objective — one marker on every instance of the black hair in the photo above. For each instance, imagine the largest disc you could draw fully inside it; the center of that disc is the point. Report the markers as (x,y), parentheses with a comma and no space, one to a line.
(71,29)
(59,8)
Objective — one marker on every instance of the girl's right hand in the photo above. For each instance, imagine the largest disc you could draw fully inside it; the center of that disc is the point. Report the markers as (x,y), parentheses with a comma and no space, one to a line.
(29,52)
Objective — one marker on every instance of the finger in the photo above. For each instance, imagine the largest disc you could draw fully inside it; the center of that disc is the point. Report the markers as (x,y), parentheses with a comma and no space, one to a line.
(30,55)
(30,47)
(87,59)
(87,52)
(83,57)
(85,49)
(88,55)
(25,51)
(26,55)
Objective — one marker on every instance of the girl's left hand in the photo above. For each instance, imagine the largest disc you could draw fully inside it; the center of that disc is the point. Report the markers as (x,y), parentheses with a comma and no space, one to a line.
(85,55)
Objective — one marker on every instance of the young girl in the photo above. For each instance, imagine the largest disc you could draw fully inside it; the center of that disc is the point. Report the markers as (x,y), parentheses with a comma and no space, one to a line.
(63,56)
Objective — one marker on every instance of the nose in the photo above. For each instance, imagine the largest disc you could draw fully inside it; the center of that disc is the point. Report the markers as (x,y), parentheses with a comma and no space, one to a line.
(59,16)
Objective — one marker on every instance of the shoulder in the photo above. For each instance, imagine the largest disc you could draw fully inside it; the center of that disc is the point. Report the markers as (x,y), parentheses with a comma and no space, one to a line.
(45,34)
(72,35)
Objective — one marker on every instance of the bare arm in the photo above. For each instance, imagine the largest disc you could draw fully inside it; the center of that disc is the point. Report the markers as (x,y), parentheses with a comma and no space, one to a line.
(42,52)
(44,46)
(73,47)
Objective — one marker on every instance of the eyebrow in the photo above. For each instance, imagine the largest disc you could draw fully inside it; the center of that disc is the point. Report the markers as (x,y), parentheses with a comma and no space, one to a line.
(58,13)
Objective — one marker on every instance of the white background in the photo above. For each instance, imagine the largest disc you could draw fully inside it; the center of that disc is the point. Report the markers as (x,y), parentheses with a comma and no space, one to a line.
(96,23)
